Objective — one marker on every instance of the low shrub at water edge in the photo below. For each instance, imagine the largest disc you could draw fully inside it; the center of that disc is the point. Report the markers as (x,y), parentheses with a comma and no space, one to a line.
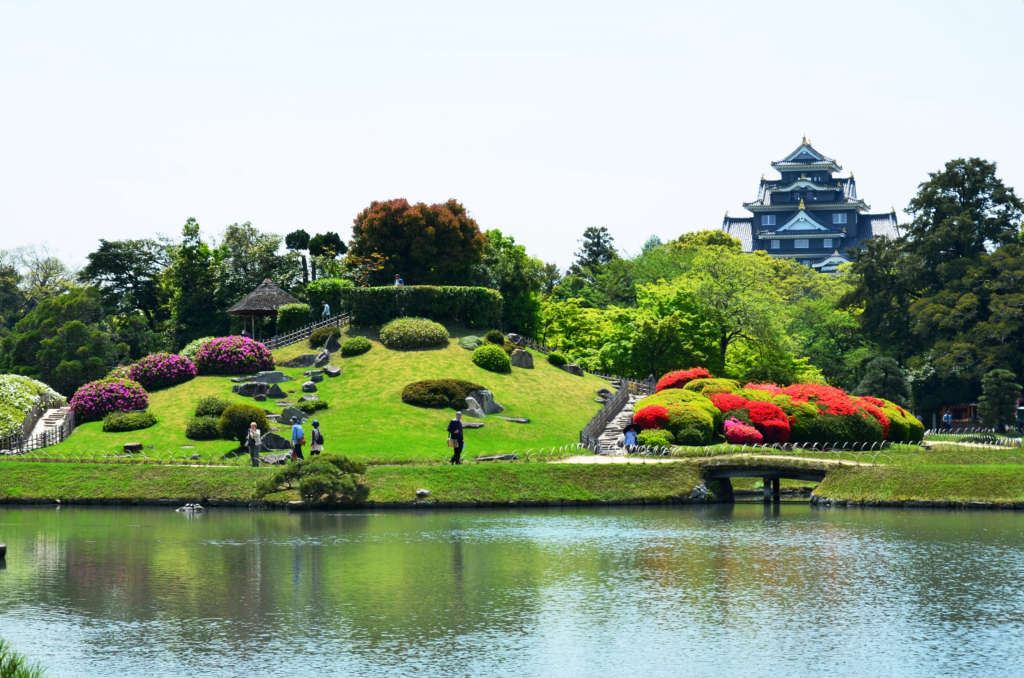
(327,477)
(211,406)
(439,393)
(94,400)
(355,346)
(493,358)
(203,428)
(319,337)
(118,422)
(413,333)
(557,359)
(235,420)
(162,370)
(311,406)
(233,355)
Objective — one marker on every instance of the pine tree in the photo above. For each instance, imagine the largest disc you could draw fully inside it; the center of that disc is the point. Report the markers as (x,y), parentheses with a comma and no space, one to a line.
(998,405)
(194,311)
(884,379)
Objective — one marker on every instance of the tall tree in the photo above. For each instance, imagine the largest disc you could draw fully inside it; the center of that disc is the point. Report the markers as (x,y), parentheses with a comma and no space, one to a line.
(426,244)
(128,273)
(596,250)
(511,271)
(998,404)
(298,241)
(195,312)
(325,248)
(885,379)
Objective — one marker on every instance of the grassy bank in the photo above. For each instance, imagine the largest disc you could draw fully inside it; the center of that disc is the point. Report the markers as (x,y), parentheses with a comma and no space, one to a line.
(483,483)
(997,484)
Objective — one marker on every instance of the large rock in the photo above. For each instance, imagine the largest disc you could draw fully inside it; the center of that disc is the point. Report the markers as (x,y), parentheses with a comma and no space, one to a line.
(260,398)
(604,393)
(322,358)
(473,409)
(273,377)
(316,378)
(273,442)
(131,448)
(252,388)
(276,459)
(516,339)
(310,373)
(573,368)
(307,398)
(332,371)
(304,360)
(473,424)
(276,392)
(485,399)
(521,358)
(289,412)
(333,344)
(308,387)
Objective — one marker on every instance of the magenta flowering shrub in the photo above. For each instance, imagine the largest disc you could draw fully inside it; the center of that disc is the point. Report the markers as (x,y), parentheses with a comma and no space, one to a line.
(161,370)
(739,433)
(95,399)
(233,355)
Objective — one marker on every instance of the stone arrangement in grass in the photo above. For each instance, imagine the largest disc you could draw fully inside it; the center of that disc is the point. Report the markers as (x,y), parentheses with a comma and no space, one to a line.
(412,333)
(691,408)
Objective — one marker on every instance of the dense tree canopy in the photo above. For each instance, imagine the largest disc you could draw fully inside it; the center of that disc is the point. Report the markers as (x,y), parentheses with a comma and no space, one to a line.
(128,274)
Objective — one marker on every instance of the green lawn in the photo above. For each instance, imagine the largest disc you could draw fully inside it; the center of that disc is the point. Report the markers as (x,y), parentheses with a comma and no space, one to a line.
(367,417)
(994,483)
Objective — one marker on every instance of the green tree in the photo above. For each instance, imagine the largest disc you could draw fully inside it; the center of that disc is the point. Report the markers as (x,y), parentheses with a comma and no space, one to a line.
(128,274)
(510,270)
(195,312)
(885,379)
(596,251)
(998,403)
(426,244)
(298,241)
(325,250)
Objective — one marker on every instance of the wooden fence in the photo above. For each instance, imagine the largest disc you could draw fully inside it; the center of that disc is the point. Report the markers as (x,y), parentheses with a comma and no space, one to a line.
(22,443)
(302,334)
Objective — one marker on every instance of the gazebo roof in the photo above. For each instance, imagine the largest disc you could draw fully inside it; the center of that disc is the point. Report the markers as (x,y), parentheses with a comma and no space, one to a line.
(264,300)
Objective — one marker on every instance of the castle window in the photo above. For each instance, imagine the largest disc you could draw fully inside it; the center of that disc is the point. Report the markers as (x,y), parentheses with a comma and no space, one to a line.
(826,243)
(807,263)
(839,218)
(801,244)
(767,219)
(776,244)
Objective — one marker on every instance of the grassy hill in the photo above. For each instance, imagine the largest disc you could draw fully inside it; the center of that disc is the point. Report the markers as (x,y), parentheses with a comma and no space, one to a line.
(366,415)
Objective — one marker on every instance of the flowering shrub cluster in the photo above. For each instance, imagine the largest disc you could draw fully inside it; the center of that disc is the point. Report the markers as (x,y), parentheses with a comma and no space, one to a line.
(161,370)
(233,355)
(681,378)
(192,348)
(741,434)
(18,395)
(95,399)
(769,413)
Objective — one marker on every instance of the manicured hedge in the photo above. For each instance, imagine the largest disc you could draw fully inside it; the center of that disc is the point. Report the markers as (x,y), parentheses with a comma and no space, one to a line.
(202,428)
(355,346)
(375,306)
(655,438)
(329,290)
(162,370)
(681,378)
(291,317)
(492,357)
(413,333)
(117,422)
(94,400)
(234,422)
(439,393)
(557,359)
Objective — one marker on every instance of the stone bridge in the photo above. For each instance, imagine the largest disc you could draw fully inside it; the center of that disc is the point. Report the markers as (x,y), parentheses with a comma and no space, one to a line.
(771,471)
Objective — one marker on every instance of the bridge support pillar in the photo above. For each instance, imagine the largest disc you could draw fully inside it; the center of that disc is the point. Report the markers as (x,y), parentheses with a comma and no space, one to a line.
(776,489)
(767,482)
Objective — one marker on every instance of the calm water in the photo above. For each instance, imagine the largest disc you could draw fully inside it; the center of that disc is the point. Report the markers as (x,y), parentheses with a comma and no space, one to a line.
(590,592)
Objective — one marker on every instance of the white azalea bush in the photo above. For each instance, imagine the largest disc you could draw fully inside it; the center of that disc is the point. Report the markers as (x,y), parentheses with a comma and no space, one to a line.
(17,396)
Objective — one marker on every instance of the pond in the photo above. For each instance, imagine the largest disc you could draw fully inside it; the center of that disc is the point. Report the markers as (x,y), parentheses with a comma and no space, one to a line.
(624,591)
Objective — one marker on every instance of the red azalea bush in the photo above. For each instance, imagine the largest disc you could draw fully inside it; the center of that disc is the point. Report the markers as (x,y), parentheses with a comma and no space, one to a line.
(840,418)
(770,388)
(652,416)
(680,378)
(770,420)
(97,398)
(233,355)
(876,412)
(161,370)
(738,433)
(728,401)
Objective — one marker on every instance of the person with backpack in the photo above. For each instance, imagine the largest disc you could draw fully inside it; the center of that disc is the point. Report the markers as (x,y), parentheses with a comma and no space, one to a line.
(455,440)
(316,439)
(254,442)
(298,439)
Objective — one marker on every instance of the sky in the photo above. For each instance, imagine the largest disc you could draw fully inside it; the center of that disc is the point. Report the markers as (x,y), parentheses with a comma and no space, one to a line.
(123,119)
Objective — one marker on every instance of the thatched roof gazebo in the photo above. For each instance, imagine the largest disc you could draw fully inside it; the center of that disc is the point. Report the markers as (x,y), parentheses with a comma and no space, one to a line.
(262,302)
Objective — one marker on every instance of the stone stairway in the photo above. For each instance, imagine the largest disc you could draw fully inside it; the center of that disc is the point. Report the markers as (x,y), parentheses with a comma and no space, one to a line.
(51,419)
(610,440)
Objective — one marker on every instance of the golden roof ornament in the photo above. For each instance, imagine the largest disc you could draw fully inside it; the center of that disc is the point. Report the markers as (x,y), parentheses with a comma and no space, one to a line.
(804,142)
(802,204)
(893,211)
(836,253)
(726,214)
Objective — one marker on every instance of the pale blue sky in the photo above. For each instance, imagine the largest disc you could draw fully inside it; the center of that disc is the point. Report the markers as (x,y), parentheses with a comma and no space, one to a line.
(122,119)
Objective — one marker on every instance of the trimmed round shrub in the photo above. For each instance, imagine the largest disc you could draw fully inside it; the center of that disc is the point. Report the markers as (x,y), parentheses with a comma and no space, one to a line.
(739,433)
(319,337)
(710,387)
(355,346)
(771,389)
(675,396)
(655,438)
(903,426)
(291,317)
(311,406)
(651,417)
(439,393)
(557,359)
(211,406)
(768,418)
(682,416)
(192,347)
(470,343)
(233,355)
(235,420)
(162,370)
(681,378)
(690,437)
(828,415)
(493,358)
(95,400)
(495,337)
(403,333)
(117,422)
(203,428)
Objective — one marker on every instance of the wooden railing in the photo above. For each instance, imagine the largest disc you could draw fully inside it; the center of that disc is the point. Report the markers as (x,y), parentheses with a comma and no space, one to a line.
(303,333)
(22,443)
(591,434)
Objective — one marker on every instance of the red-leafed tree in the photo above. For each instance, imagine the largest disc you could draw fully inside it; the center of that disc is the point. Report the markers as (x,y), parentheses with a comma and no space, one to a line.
(424,244)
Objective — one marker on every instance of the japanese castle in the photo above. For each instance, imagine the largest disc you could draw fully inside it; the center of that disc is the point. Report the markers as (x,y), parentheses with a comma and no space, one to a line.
(808,214)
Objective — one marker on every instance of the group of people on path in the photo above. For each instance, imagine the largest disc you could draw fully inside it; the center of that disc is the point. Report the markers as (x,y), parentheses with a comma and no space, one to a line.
(254,441)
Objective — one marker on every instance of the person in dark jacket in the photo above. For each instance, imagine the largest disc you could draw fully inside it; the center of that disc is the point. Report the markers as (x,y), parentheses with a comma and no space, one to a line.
(455,433)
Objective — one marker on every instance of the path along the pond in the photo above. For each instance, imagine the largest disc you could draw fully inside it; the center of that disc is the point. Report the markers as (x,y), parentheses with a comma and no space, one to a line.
(604,459)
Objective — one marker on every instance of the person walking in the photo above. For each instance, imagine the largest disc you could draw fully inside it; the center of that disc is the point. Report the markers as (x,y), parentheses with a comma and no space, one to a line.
(455,440)
(947,421)
(326,313)
(316,439)
(298,439)
(254,442)
(629,436)
(398,281)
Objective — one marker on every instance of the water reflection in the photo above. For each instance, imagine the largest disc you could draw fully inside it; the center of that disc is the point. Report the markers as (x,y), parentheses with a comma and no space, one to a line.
(623,591)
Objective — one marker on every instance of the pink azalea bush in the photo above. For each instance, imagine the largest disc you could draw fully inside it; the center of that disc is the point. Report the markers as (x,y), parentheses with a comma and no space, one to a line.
(161,370)
(95,399)
(741,434)
(233,355)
